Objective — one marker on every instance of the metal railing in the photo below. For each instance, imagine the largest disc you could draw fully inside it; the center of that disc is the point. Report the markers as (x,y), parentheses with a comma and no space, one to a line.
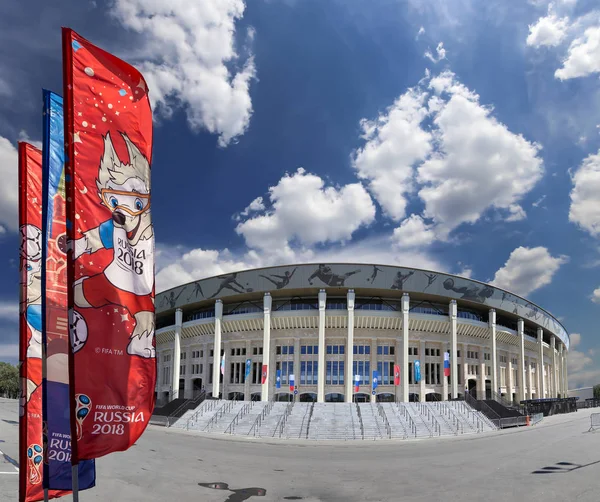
(362,426)
(185,406)
(386,422)
(245,409)
(208,406)
(460,426)
(218,415)
(282,420)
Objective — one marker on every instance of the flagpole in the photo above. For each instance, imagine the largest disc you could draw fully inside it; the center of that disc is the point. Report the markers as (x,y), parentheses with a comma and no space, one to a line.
(75,481)
(46,495)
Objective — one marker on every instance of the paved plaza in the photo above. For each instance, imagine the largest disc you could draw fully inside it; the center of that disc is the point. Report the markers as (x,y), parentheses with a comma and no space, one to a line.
(557,460)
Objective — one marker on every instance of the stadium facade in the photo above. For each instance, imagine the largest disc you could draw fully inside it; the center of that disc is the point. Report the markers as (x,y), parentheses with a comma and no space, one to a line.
(329,324)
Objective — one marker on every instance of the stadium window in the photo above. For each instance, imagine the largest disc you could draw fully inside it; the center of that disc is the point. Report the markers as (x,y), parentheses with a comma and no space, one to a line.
(437,352)
(336,349)
(367,349)
(303,349)
(222,352)
(210,373)
(392,350)
(416,351)
(260,350)
(410,373)
(427,379)
(284,350)
(238,352)
(182,370)
(254,351)
(342,349)
(329,349)
(379,350)
(291,350)
(278,350)
(201,368)
(315,349)
(361,349)
(458,353)
(244,351)
(410,351)
(212,353)
(427,353)
(233,352)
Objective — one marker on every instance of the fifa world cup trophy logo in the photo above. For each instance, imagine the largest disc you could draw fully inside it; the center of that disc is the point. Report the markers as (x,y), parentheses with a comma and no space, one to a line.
(34,459)
(82,409)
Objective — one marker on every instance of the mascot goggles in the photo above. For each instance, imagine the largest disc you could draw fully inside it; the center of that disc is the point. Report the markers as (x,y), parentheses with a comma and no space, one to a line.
(131,202)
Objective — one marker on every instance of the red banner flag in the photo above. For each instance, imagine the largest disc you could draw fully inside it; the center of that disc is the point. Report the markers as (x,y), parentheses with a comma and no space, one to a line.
(396,374)
(110,266)
(30,326)
(264,373)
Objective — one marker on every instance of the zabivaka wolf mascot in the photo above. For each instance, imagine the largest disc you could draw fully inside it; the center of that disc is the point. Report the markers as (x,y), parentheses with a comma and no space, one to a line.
(128,281)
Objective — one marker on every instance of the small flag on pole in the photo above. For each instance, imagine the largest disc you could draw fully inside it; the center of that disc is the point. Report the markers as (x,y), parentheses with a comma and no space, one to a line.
(375,379)
(248,367)
(264,374)
(223,365)
(396,375)
(446,364)
(278,379)
(356,383)
(417,371)
(291,383)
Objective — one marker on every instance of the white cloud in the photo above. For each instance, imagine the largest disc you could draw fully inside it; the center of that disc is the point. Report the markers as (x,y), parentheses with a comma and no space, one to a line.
(23,136)
(585,201)
(9,192)
(596,295)
(516,213)
(255,206)
(583,57)
(305,211)
(5,89)
(9,311)
(479,163)
(549,31)
(413,233)
(189,58)
(575,339)
(440,51)
(420,32)
(528,269)
(539,201)
(466,271)
(395,141)
(9,351)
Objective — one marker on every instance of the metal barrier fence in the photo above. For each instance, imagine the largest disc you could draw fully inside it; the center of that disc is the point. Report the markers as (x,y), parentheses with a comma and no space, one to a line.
(594,421)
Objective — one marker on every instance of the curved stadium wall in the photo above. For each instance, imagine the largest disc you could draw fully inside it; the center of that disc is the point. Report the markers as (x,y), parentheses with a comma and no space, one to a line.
(328,324)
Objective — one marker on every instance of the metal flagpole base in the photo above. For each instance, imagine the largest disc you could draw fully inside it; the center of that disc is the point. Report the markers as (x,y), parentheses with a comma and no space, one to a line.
(75,481)
(46,495)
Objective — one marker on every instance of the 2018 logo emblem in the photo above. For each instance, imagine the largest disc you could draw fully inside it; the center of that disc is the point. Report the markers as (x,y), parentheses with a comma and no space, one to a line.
(34,459)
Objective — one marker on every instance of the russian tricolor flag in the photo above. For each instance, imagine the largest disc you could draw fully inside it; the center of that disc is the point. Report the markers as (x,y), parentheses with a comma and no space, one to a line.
(446,364)
(356,382)
(292,387)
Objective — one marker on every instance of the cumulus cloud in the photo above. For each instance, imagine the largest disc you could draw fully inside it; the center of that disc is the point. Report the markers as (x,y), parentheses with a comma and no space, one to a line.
(413,233)
(191,61)
(438,140)
(395,141)
(478,164)
(9,193)
(596,295)
(548,31)
(585,202)
(575,339)
(528,269)
(305,211)
(420,32)
(583,57)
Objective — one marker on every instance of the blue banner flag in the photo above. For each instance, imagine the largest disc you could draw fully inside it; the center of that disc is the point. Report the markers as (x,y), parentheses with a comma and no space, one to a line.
(248,367)
(278,379)
(375,379)
(55,329)
(417,371)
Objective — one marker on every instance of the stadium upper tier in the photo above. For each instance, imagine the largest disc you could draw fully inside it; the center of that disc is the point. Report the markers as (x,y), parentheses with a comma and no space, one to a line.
(375,282)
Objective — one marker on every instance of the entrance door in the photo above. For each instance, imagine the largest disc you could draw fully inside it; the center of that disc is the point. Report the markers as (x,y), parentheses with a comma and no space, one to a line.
(181,387)
(488,389)
(473,388)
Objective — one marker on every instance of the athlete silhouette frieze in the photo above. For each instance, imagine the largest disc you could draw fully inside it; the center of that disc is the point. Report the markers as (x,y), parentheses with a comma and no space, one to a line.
(229,282)
(197,291)
(401,279)
(280,281)
(326,275)
(471,293)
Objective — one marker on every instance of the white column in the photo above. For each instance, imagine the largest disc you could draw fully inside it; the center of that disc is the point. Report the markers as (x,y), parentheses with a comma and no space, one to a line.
(423,372)
(267,303)
(322,348)
(453,355)
(350,297)
(529,379)
(217,349)
(492,321)
(541,390)
(176,354)
(561,385)
(297,367)
(553,347)
(481,384)
(510,380)
(521,369)
(373,343)
(566,363)
(405,322)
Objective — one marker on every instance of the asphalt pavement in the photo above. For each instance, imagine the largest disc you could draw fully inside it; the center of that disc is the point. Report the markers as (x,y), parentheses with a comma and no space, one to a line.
(557,460)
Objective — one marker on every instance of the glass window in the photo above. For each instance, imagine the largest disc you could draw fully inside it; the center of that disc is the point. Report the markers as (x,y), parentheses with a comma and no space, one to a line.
(315,349)
(367,372)
(329,348)
(303,349)
(426,352)
(315,372)
(361,349)
(309,349)
(354,349)
(291,349)
(309,371)
(416,351)
(386,350)
(410,372)
(342,349)
(302,372)
(278,350)
(379,350)
(367,349)
(392,350)
(334,379)
(336,349)
(233,352)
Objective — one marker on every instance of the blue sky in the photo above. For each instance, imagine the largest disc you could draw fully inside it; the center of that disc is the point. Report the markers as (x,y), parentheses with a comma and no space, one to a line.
(462,136)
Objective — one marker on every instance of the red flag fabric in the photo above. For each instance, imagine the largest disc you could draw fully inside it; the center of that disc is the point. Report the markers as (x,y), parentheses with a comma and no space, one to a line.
(264,373)
(30,326)
(396,374)
(110,266)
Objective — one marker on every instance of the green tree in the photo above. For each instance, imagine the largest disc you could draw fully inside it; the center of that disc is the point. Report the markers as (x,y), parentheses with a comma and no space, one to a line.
(9,380)
(597,391)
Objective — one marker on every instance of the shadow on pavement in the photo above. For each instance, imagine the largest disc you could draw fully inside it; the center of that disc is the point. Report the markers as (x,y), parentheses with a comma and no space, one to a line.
(563,467)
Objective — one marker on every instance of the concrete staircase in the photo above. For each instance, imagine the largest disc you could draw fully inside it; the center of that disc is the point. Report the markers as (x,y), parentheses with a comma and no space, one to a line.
(297,422)
(373,425)
(331,421)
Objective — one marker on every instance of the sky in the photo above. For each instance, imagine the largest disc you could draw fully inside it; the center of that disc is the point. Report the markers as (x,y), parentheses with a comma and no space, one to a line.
(459,136)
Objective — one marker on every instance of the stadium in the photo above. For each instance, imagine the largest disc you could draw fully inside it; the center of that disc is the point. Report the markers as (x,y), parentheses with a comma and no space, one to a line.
(330,326)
